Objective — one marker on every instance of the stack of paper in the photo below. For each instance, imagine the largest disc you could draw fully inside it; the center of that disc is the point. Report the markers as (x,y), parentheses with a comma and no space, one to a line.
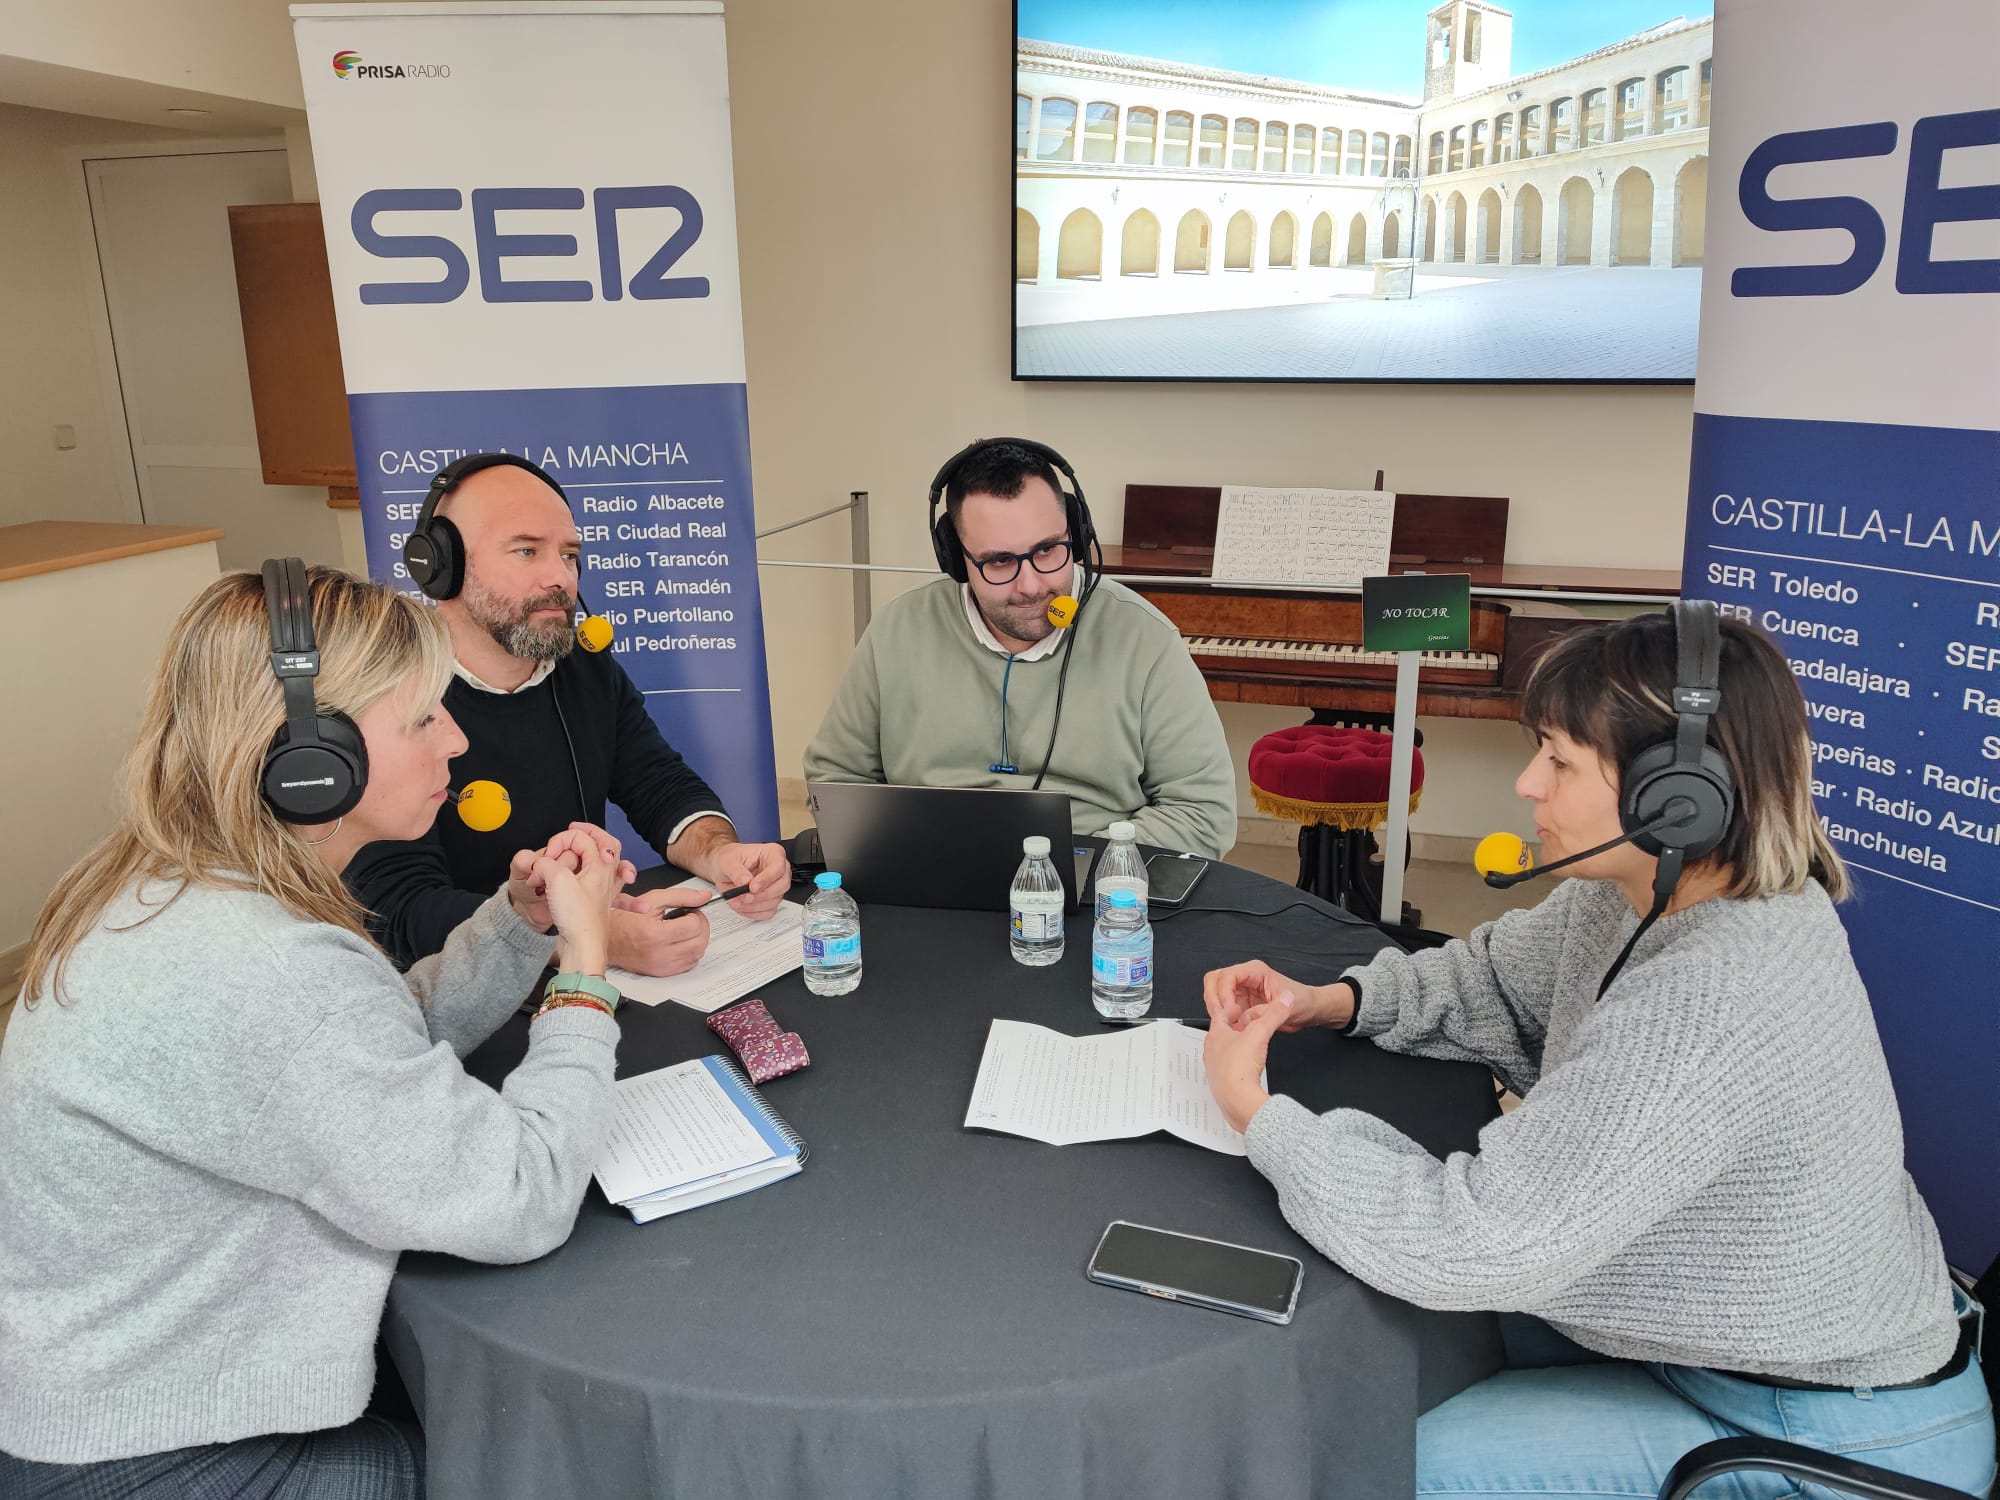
(692,1134)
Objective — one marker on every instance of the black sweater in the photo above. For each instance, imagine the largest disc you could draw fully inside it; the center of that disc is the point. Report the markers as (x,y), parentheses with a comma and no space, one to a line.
(418,892)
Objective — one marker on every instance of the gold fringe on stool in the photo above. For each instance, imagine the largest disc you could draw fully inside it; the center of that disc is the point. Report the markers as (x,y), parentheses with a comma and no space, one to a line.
(1355,817)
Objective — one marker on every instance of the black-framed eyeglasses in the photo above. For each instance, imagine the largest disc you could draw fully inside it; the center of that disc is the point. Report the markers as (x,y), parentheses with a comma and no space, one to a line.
(1049,557)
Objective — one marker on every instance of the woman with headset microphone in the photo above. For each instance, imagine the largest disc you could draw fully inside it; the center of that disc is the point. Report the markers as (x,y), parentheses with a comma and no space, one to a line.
(1701,1198)
(225,1112)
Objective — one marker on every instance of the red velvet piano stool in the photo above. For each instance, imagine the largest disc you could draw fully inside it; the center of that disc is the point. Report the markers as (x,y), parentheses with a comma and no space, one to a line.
(1333,781)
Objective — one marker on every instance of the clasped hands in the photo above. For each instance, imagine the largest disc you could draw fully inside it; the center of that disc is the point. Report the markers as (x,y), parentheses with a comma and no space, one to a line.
(570,884)
(1247,1004)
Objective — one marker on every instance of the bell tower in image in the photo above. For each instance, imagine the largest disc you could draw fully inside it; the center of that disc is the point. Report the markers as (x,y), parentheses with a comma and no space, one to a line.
(1468,46)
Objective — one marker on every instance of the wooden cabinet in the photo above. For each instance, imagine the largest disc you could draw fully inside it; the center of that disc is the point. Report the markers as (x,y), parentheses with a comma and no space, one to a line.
(296,385)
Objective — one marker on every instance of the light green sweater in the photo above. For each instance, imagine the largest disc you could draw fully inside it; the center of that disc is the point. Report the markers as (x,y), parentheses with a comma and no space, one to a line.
(920,706)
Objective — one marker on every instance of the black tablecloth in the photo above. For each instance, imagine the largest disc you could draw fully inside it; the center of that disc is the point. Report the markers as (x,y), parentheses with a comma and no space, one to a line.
(909,1316)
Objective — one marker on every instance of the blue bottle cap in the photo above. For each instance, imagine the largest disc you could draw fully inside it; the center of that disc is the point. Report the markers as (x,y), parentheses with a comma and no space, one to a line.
(1124,898)
(829,881)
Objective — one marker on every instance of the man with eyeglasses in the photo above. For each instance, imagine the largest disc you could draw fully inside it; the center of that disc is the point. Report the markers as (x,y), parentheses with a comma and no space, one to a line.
(957,684)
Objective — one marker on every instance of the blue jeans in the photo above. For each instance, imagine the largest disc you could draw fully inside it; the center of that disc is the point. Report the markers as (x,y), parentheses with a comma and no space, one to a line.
(1562,1421)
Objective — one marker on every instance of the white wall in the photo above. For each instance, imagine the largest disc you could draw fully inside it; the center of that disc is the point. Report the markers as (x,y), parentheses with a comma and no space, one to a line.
(65,785)
(49,369)
(876,267)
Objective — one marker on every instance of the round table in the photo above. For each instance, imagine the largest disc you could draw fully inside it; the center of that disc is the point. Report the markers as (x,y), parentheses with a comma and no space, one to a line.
(909,1315)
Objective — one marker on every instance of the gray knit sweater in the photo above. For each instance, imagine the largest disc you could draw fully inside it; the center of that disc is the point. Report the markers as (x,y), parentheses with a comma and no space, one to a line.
(211,1155)
(1707,1165)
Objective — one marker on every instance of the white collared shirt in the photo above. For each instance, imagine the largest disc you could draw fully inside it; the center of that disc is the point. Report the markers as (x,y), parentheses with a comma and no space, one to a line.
(535,678)
(982,633)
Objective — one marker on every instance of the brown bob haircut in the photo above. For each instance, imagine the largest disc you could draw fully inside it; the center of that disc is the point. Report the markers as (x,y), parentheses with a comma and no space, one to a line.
(1611,687)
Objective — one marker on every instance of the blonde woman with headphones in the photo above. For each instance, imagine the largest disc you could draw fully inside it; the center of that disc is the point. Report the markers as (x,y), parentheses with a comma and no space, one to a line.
(224,1111)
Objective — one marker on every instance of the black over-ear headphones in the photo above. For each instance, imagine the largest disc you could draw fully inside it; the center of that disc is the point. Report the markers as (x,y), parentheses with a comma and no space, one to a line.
(1076,513)
(434,551)
(317,765)
(1676,796)
(1685,778)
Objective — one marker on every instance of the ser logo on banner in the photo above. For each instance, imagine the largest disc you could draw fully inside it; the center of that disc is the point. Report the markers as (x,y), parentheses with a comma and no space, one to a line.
(490,247)
(1927,203)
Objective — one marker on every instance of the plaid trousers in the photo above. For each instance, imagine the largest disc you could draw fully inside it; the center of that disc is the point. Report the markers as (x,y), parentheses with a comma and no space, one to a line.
(371,1459)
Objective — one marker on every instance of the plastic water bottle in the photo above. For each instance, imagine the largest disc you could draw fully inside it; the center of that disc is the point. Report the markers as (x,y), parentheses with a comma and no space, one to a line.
(833,938)
(1121,959)
(1120,868)
(1035,906)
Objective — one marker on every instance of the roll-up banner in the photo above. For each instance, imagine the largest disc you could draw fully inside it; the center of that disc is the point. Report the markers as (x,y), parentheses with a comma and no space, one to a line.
(531,226)
(1845,496)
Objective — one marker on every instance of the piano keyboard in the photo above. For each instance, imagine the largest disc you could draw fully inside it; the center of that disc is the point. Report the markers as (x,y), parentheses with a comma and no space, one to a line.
(1335,654)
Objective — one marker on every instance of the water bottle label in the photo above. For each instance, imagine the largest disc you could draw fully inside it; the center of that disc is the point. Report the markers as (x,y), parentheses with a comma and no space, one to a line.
(1122,972)
(833,952)
(1037,926)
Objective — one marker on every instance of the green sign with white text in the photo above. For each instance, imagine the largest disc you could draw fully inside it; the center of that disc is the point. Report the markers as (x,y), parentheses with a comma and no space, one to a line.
(1417,612)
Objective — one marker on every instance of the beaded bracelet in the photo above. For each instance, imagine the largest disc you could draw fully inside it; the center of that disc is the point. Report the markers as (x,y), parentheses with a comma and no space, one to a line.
(561,999)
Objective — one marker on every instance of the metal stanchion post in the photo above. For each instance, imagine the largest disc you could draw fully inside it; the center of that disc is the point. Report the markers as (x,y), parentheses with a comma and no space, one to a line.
(864,587)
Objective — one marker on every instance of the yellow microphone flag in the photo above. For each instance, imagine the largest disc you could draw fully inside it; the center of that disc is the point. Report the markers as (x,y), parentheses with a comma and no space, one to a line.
(483,806)
(1062,610)
(1502,854)
(594,634)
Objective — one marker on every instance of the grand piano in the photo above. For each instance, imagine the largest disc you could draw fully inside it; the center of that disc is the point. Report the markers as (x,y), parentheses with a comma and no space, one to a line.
(1303,648)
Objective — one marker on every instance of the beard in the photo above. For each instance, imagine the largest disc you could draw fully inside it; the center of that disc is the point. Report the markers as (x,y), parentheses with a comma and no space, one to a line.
(1028,621)
(515,628)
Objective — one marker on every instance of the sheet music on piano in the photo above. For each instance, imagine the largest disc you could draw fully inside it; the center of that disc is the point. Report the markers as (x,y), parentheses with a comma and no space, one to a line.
(1304,535)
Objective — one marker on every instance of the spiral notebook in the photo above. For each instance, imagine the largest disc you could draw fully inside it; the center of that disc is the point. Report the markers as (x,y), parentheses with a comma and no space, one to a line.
(690,1135)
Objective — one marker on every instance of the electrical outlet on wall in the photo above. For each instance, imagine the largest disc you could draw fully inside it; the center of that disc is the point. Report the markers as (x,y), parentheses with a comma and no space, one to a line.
(65,436)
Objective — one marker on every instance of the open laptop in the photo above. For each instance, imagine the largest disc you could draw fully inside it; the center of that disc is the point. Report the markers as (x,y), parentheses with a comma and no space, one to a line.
(938,845)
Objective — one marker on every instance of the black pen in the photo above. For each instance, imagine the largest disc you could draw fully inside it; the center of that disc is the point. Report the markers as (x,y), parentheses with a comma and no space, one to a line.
(667,914)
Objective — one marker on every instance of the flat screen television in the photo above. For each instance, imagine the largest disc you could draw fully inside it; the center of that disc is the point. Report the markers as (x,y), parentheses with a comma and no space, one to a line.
(1358,190)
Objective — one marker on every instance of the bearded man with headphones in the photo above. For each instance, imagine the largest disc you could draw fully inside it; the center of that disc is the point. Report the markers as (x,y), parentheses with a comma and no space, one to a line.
(554,733)
(1701,1199)
(964,682)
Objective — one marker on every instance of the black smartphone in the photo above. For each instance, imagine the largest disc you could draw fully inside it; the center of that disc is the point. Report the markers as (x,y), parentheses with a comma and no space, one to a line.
(1169,877)
(1207,1273)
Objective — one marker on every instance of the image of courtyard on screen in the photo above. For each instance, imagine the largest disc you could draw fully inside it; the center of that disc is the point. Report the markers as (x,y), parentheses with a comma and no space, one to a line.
(1358,190)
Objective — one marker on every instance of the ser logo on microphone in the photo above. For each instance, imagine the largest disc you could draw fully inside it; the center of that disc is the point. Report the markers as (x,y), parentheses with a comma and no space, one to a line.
(483,805)
(1502,854)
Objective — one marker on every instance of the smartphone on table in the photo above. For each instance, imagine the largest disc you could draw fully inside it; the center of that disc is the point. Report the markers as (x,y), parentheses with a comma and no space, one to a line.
(1203,1272)
(1169,877)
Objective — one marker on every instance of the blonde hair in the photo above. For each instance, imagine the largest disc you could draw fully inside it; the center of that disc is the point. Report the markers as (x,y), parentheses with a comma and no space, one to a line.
(193,807)
(1611,688)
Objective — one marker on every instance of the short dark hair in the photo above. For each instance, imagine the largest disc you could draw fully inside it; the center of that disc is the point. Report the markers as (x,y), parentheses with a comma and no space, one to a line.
(1611,688)
(998,468)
